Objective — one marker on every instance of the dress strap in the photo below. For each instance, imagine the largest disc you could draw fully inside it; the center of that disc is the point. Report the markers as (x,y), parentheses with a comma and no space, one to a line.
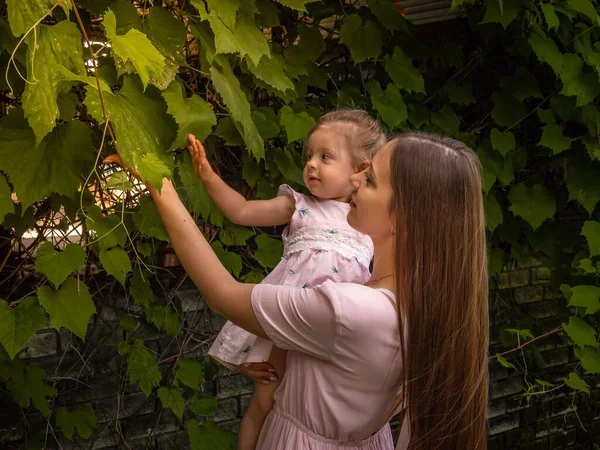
(388,293)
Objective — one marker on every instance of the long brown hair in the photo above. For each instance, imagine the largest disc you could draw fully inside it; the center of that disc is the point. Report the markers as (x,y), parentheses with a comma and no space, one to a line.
(441,281)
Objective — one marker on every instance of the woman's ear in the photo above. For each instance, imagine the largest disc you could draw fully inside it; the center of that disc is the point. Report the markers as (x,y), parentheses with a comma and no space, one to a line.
(363,165)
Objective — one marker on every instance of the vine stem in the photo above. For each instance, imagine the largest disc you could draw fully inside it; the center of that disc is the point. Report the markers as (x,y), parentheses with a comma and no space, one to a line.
(524,344)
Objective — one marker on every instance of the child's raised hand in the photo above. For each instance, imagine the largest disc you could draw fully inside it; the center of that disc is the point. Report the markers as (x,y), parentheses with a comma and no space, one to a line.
(201,165)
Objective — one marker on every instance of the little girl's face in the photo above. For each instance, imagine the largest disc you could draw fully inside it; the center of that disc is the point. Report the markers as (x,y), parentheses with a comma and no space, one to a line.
(328,165)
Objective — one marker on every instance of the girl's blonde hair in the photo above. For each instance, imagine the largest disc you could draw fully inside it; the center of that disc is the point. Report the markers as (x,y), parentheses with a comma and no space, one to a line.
(365,135)
(442,286)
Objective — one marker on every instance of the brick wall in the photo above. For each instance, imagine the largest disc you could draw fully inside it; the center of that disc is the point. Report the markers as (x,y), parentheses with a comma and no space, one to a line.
(92,373)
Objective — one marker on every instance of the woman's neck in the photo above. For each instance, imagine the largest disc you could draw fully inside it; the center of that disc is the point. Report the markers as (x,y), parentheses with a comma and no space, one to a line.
(383,263)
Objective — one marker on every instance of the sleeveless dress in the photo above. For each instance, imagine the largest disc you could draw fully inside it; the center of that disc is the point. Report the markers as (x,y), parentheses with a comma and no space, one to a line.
(319,245)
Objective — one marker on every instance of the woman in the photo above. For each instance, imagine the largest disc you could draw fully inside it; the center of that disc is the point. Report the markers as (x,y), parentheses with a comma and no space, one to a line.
(354,353)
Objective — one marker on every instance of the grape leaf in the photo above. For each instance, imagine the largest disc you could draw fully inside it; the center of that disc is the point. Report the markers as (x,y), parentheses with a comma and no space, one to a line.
(166,33)
(524,333)
(55,166)
(144,132)
(578,83)
(193,115)
(389,104)
(172,398)
(493,212)
(209,436)
(227,10)
(535,204)
(402,72)
(296,125)
(495,167)
(547,51)
(589,358)
(587,297)
(581,183)
(268,251)
(116,263)
(418,115)
(550,15)
(504,142)
(287,166)
(19,324)
(574,381)
(141,365)
(580,332)
(108,229)
(363,40)
(57,266)
(585,7)
(553,138)
(268,14)
(135,47)
(30,389)
(140,289)
(189,373)
(521,85)
(271,70)
(586,265)
(296,4)
(23,14)
(504,362)
(388,15)
(507,109)
(591,230)
(7,205)
(148,220)
(446,120)
(502,12)
(119,180)
(227,129)
(70,307)
(80,418)
(237,104)
(163,317)
(204,405)
(311,39)
(233,234)
(143,248)
(460,95)
(128,323)
(231,261)
(266,122)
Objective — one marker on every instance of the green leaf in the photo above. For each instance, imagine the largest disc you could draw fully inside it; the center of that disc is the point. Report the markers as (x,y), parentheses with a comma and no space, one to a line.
(389,104)
(238,106)
(143,129)
(227,129)
(574,381)
(418,115)
(163,317)
(268,14)
(388,15)
(521,85)
(446,120)
(172,398)
(522,334)
(402,72)
(166,33)
(80,418)
(269,250)
(363,41)
(55,166)
(589,358)
(231,261)
(57,266)
(591,231)
(209,436)
(30,389)
(495,167)
(582,185)
(141,365)
(535,204)
(550,15)
(286,164)
(507,109)
(19,324)
(576,82)
(504,142)
(296,125)
(311,39)
(189,373)
(544,383)
(587,297)
(266,122)
(493,212)
(586,265)
(148,220)
(7,205)
(23,14)
(140,289)
(116,263)
(270,69)
(580,332)
(296,4)
(204,405)
(502,12)
(196,198)
(234,234)
(128,323)
(193,115)
(108,229)
(252,171)
(547,51)
(505,363)
(553,138)
(120,181)
(255,276)
(143,248)
(70,307)
(135,47)
(585,7)
(460,95)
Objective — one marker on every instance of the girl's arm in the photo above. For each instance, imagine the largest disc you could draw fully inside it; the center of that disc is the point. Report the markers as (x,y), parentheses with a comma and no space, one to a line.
(220,290)
(235,207)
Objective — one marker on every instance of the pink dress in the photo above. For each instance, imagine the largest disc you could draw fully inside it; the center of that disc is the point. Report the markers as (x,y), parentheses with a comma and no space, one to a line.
(319,245)
(342,371)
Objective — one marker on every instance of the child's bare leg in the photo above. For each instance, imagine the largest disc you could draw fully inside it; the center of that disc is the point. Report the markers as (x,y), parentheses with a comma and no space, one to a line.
(261,403)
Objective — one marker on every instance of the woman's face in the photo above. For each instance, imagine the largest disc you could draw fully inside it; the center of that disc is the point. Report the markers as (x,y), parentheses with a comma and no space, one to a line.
(370,204)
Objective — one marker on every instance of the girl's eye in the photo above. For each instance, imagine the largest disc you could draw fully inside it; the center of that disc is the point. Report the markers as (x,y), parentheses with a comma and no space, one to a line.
(325,157)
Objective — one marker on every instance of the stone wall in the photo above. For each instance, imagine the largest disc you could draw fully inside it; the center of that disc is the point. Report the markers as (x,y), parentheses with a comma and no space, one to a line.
(92,373)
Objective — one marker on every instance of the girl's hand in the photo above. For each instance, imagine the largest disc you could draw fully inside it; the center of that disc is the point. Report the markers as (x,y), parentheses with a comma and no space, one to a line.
(201,165)
(259,372)
(116,159)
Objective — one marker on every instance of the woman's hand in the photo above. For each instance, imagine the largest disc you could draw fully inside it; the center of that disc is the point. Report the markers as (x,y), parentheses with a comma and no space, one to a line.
(201,165)
(259,372)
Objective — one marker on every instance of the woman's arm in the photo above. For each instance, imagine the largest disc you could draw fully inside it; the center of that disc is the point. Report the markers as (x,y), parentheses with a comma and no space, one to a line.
(233,205)
(220,290)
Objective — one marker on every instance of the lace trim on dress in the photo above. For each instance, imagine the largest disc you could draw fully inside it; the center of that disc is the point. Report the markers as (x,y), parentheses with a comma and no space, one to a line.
(344,242)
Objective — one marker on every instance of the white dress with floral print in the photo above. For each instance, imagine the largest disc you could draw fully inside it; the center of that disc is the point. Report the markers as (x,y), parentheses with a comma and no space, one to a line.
(319,245)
